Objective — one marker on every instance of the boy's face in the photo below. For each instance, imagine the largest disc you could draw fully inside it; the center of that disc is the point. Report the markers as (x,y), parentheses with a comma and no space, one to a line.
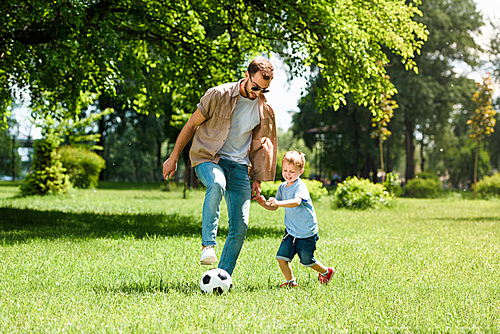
(291,172)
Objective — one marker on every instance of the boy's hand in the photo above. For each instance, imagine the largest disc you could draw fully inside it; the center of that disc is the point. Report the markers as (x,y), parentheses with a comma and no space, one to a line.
(271,201)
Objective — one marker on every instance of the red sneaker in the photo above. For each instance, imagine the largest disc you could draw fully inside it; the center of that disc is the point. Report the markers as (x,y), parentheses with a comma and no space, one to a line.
(289,285)
(325,279)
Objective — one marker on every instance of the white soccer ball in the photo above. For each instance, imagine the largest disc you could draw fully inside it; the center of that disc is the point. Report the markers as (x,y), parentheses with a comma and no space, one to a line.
(216,280)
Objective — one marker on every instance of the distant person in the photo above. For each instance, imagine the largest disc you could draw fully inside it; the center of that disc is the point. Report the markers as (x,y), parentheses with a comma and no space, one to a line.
(234,141)
(301,233)
(336,178)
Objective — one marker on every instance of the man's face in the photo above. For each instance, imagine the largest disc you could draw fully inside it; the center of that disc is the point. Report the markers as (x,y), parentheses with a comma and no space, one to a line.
(256,81)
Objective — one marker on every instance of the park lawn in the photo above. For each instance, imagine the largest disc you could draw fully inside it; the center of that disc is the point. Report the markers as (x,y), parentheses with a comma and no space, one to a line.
(118,259)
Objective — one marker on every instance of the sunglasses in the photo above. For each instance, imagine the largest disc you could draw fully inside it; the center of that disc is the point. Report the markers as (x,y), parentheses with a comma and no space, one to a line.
(256,87)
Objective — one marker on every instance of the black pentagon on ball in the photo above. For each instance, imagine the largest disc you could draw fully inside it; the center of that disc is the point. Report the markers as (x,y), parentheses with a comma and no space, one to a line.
(206,279)
(222,275)
(218,290)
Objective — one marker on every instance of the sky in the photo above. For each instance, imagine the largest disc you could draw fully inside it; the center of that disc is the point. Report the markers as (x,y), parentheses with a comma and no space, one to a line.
(284,96)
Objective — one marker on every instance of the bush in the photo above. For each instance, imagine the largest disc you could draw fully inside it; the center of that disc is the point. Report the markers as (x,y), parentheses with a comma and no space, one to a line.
(316,189)
(47,176)
(356,193)
(423,188)
(83,166)
(269,189)
(489,187)
(427,175)
(392,184)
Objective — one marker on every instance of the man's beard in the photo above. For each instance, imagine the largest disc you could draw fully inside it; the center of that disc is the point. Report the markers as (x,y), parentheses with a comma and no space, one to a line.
(246,91)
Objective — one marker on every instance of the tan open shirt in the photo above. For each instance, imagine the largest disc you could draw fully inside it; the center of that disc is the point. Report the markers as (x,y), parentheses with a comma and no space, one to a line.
(217,106)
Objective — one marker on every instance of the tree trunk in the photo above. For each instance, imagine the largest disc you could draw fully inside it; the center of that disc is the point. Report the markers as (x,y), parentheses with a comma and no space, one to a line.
(13,158)
(190,179)
(381,148)
(422,158)
(356,144)
(388,158)
(476,163)
(101,128)
(410,150)
(159,162)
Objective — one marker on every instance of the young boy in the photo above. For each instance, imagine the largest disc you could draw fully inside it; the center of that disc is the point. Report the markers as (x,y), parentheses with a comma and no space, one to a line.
(301,232)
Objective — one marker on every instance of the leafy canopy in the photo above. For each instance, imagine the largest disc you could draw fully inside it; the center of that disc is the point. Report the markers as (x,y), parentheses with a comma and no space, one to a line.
(60,49)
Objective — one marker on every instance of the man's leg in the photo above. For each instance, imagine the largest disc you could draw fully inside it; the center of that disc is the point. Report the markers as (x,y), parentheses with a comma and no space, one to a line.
(238,197)
(212,176)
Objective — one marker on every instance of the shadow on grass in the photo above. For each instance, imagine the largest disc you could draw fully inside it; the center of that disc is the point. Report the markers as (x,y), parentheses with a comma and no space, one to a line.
(21,225)
(474,219)
(186,288)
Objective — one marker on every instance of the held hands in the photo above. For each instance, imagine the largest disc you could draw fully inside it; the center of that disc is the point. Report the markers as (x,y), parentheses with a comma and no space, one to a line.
(262,201)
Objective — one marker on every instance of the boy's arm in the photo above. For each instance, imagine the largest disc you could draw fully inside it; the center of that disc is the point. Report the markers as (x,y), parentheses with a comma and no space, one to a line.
(290,203)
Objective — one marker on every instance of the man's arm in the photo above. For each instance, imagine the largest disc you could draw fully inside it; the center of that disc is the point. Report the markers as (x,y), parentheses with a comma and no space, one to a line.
(170,165)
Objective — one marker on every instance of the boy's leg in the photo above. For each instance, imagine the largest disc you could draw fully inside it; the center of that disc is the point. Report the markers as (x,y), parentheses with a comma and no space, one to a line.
(286,269)
(305,249)
(319,267)
(212,176)
(285,254)
(238,198)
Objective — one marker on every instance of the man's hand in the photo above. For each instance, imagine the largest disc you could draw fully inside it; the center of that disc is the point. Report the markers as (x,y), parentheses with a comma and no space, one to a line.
(169,168)
(255,189)
(260,199)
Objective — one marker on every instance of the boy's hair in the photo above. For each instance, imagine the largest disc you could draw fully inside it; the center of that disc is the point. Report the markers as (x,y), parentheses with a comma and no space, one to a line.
(263,65)
(295,158)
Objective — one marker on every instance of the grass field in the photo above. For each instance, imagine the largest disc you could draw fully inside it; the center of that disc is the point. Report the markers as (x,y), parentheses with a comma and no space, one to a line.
(124,259)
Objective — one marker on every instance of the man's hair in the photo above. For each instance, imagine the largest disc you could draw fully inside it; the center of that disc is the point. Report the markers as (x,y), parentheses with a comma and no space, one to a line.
(295,158)
(263,65)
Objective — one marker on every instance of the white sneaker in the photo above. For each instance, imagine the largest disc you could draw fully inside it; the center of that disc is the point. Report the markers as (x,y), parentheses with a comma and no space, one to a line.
(208,256)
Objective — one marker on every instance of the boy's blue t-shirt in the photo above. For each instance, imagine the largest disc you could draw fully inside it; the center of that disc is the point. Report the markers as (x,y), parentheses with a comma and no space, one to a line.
(300,221)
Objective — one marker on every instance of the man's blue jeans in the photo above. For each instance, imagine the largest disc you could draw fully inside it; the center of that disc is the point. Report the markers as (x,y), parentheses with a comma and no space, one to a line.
(228,179)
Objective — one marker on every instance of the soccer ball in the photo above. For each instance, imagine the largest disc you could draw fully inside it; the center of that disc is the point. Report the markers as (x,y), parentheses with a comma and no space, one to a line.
(216,280)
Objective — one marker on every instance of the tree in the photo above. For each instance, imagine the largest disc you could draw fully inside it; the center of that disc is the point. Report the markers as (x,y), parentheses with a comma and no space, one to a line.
(483,120)
(493,142)
(59,49)
(10,161)
(380,124)
(340,138)
(427,100)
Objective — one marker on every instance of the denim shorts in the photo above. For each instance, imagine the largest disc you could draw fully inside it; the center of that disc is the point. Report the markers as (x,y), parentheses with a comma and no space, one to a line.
(304,247)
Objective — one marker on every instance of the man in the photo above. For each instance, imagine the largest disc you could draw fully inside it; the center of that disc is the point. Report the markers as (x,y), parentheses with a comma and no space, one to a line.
(234,141)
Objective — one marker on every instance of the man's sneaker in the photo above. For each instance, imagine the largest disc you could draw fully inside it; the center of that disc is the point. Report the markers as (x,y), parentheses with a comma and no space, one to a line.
(208,256)
(325,279)
(289,285)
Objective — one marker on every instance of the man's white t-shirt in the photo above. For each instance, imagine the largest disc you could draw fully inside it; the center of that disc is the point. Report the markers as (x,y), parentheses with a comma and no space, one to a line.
(245,118)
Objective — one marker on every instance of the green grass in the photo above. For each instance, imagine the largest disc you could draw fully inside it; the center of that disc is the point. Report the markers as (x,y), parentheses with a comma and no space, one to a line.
(125,259)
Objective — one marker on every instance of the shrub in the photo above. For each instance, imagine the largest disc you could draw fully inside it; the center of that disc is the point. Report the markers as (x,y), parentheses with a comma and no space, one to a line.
(83,166)
(356,193)
(428,175)
(423,188)
(316,189)
(47,176)
(269,189)
(392,184)
(489,186)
